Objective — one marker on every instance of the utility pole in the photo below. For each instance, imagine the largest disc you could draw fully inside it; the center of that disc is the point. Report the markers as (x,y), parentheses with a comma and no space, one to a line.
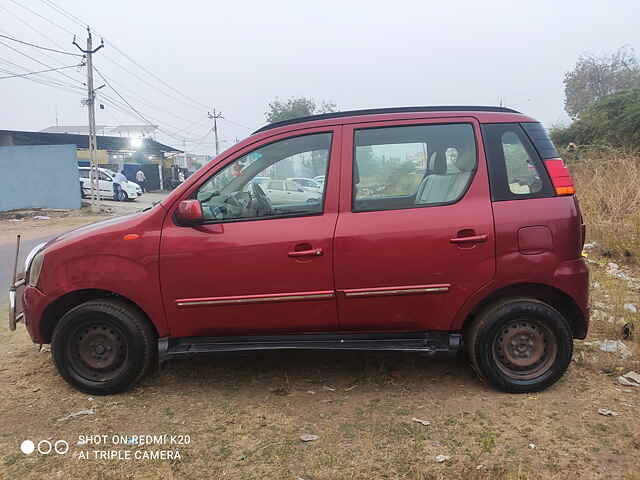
(215,116)
(91,97)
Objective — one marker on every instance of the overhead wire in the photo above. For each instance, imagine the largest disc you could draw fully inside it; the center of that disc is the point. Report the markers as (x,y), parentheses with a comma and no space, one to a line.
(38,61)
(142,116)
(18,75)
(31,27)
(42,17)
(44,80)
(193,102)
(40,46)
(122,105)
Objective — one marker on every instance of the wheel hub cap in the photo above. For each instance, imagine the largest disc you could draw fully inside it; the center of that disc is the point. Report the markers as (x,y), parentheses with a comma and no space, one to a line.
(99,347)
(524,349)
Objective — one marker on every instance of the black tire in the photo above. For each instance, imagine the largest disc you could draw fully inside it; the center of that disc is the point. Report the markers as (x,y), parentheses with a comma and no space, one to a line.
(519,345)
(103,346)
(122,196)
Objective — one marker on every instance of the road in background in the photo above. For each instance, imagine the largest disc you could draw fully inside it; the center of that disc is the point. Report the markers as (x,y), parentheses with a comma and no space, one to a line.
(32,237)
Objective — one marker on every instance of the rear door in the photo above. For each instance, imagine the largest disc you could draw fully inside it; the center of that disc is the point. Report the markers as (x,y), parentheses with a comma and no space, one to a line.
(415,235)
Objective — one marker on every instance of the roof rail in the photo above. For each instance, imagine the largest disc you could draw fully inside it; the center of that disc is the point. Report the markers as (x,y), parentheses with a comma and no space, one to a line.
(375,111)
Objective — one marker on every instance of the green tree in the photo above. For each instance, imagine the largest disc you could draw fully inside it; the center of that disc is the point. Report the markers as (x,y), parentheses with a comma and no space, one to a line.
(279,110)
(613,120)
(594,77)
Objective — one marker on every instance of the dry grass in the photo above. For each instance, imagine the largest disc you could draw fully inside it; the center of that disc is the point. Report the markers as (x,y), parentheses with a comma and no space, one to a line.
(245,415)
(608,185)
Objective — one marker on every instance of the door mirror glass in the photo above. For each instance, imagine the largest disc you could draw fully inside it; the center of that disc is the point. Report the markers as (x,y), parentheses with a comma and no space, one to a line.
(189,212)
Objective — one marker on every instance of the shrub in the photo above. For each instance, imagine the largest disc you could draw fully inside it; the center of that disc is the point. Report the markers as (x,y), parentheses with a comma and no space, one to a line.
(607,186)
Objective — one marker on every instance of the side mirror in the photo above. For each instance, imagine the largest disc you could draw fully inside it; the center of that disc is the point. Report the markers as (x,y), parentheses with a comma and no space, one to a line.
(189,212)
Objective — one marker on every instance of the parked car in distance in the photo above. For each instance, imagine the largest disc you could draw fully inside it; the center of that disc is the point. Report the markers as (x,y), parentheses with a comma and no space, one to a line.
(476,250)
(307,184)
(282,192)
(128,190)
(319,180)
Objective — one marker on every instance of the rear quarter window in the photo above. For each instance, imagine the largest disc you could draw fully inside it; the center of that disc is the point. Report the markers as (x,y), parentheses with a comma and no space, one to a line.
(540,139)
(516,170)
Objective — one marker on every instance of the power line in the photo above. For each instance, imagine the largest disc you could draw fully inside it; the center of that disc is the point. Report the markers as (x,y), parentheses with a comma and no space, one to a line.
(64,12)
(35,73)
(45,80)
(194,103)
(123,106)
(42,17)
(37,61)
(123,99)
(31,27)
(39,46)
(134,109)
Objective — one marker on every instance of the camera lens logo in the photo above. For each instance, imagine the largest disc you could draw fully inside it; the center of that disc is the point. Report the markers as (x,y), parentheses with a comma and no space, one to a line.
(27,447)
(45,447)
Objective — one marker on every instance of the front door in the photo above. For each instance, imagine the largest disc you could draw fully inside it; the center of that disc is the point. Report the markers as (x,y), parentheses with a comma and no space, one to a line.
(415,234)
(106,185)
(259,264)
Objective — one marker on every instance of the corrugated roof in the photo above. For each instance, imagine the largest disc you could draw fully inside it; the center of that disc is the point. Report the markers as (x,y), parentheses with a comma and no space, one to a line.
(112,144)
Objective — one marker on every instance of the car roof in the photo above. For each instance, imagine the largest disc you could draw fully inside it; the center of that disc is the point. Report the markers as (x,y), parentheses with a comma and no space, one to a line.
(482,112)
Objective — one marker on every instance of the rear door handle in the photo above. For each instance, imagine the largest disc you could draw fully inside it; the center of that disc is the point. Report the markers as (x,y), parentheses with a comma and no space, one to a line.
(471,239)
(315,252)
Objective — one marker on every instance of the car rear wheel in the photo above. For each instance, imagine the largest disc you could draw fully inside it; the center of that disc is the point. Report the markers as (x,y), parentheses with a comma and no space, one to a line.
(520,345)
(103,346)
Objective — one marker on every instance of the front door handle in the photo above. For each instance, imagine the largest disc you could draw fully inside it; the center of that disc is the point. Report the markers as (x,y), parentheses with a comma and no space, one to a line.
(315,252)
(470,239)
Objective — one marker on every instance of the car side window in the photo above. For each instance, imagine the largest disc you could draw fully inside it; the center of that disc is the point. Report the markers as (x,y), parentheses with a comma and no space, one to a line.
(277,185)
(412,166)
(516,171)
(253,186)
(522,176)
(104,176)
(293,186)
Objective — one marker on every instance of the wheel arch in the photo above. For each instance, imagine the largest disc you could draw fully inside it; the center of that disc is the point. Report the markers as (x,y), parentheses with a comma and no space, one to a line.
(56,309)
(556,298)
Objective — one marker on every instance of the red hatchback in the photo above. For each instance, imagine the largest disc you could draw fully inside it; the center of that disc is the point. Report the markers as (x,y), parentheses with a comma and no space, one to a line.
(437,229)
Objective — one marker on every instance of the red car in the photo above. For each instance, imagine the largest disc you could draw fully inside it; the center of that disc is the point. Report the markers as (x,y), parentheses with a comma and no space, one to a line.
(439,229)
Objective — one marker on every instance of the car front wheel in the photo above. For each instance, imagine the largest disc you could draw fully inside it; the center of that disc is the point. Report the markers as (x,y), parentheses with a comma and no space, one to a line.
(103,346)
(520,345)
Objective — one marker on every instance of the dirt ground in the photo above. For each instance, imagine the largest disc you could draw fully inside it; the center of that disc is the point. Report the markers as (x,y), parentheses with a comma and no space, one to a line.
(25,222)
(241,416)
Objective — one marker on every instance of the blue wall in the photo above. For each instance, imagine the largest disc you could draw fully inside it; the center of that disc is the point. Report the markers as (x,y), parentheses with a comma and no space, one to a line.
(39,177)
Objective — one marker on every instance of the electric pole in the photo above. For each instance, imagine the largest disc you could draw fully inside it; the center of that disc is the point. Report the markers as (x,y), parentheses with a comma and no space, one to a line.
(91,97)
(215,116)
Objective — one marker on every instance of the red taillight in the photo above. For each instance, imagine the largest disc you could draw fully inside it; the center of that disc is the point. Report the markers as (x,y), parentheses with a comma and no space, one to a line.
(560,177)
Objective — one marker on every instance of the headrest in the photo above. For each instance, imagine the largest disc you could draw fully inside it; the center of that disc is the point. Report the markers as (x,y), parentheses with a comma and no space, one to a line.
(466,161)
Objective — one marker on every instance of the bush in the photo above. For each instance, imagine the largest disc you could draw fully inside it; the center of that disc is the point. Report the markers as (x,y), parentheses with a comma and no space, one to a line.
(613,120)
(607,186)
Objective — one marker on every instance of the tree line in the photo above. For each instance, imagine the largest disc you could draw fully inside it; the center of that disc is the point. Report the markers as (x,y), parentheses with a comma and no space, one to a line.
(602,97)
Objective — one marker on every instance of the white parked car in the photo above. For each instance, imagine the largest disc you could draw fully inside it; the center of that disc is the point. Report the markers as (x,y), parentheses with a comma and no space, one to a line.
(282,192)
(307,184)
(128,190)
(319,180)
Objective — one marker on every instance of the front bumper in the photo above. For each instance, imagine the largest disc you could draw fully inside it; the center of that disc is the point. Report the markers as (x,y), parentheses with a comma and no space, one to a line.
(16,313)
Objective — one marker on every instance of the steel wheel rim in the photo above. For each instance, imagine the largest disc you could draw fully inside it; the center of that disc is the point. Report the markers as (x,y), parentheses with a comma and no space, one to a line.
(524,349)
(97,351)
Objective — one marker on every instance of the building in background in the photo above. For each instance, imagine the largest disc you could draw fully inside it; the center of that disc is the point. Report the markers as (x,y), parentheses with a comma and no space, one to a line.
(130,154)
(39,176)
